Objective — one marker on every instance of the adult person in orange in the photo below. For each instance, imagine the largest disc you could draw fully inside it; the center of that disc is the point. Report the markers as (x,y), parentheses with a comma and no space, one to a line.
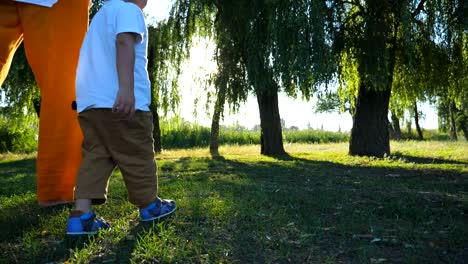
(52,31)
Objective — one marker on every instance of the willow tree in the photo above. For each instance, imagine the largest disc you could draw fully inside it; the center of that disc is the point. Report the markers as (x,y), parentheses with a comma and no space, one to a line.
(445,73)
(454,24)
(264,47)
(239,29)
(248,22)
(382,39)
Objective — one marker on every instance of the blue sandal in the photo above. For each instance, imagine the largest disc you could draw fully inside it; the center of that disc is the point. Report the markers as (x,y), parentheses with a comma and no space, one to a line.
(158,209)
(87,224)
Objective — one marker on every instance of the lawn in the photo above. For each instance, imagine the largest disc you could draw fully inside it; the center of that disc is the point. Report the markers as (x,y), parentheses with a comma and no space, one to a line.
(316,205)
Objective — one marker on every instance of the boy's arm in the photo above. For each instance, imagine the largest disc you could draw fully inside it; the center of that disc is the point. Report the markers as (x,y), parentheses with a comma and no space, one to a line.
(125,100)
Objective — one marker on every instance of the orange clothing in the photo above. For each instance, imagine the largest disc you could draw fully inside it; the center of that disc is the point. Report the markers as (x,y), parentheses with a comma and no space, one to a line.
(52,39)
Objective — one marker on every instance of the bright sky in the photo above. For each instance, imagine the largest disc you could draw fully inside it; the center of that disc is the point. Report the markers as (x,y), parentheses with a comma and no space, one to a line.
(295,112)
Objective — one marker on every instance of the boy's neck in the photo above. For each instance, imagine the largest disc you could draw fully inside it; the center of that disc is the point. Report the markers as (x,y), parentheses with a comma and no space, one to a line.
(140,3)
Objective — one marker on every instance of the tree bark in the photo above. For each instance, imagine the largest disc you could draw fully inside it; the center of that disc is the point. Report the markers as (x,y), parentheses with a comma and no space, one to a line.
(453,126)
(416,121)
(37,106)
(409,130)
(157,145)
(369,135)
(391,131)
(270,122)
(156,131)
(464,128)
(218,110)
(396,126)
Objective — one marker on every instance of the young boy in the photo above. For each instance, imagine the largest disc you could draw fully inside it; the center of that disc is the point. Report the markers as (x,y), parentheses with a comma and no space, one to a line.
(113,97)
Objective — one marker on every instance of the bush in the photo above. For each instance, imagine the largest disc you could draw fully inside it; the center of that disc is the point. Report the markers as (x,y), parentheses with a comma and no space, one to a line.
(428,134)
(18,134)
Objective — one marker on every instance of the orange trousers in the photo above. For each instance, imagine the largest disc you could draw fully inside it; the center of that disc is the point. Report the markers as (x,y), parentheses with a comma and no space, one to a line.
(52,39)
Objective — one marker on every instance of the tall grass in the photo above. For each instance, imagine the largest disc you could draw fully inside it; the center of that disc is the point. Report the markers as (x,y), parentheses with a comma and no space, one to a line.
(18,134)
(428,134)
(314,136)
(177,133)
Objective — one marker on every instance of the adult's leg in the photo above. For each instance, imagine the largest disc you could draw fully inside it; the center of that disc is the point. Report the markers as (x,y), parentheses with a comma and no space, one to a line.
(53,38)
(10,36)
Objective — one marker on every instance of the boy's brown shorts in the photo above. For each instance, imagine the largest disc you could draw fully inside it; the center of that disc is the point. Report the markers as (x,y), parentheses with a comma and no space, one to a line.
(109,141)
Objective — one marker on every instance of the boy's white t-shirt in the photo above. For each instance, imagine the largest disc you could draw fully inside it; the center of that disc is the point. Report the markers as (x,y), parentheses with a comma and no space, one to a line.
(97,81)
(48,3)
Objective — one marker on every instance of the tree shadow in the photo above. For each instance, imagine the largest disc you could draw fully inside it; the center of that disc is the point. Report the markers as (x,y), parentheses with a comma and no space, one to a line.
(122,251)
(279,207)
(423,160)
(293,185)
(23,217)
(17,177)
(19,213)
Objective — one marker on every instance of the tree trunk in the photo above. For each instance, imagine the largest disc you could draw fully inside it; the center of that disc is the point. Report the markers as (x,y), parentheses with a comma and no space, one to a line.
(218,110)
(416,121)
(156,126)
(396,126)
(270,122)
(153,105)
(453,126)
(462,122)
(37,106)
(464,128)
(156,131)
(369,135)
(409,130)
(391,131)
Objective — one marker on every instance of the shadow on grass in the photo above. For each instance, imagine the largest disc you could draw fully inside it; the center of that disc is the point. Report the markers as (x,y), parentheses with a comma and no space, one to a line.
(315,197)
(18,212)
(297,210)
(123,250)
(17,177)
(423,160)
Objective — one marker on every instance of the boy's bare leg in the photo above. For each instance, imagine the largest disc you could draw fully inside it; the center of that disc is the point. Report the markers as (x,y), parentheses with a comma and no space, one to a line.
(83,205)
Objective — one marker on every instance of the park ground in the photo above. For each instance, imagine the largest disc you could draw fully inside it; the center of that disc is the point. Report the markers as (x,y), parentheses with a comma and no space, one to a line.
(315,205)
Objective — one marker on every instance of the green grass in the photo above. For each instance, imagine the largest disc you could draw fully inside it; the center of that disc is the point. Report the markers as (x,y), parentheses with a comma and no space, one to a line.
(316,205)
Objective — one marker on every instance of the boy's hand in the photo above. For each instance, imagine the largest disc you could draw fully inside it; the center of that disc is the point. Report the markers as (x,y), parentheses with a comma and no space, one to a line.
(125,99)
(125,103)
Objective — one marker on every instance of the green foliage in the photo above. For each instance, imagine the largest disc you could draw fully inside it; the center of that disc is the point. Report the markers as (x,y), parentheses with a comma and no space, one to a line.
(18,134)
(169,46)
(20,87)
(164,60)
(96,5)
(262,46)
